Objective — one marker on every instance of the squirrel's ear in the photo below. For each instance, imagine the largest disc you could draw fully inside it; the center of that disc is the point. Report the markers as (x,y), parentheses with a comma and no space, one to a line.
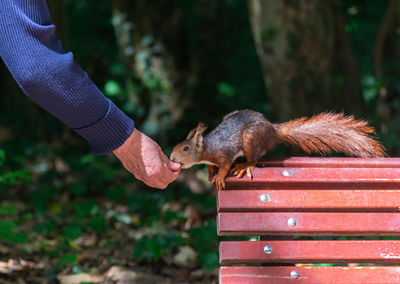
(199,141)
(198,136)
(195,131)
(200,128)
(191,133)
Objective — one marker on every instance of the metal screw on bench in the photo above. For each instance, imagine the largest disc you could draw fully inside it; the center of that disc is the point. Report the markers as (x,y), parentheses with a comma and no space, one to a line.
(287,173)
(268,249)
(291,222)
(294,274)
(264,197)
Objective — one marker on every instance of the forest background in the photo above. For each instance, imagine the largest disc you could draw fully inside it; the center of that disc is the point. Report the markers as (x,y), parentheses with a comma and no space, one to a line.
(170,64)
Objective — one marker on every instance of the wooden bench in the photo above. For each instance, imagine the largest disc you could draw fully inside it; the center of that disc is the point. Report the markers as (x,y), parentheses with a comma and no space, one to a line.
(294,204)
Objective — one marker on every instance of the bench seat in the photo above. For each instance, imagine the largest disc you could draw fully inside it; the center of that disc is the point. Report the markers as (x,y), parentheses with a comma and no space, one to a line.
(319,220)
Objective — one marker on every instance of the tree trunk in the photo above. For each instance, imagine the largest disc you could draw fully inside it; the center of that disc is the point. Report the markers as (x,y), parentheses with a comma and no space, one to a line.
(298,42)
(152,41)
(386,56)
(385,53)
(346,93)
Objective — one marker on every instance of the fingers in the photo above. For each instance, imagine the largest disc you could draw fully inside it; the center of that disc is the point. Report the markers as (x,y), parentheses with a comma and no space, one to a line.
(161,179)
(175,167)
(171,169)
(144,158)
(167,173)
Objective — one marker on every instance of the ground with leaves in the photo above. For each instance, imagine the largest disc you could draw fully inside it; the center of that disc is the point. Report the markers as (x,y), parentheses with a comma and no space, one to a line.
(86,220)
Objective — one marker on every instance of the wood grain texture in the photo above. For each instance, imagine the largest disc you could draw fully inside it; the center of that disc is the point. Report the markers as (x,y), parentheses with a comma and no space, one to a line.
(309,200)
(309,275)
(318,178)
(356,251)
(318,162)
(308,224)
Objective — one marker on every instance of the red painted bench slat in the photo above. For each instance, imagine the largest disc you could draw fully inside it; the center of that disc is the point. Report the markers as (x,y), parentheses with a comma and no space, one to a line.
(236,252)
(307,162)
(310,275)
(309,200)
(334,178)
(311,224)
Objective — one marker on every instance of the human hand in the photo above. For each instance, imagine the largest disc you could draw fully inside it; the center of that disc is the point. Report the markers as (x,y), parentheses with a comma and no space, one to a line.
(141,156)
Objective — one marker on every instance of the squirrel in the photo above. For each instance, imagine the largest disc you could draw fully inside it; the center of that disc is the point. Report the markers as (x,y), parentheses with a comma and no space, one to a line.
(247,133)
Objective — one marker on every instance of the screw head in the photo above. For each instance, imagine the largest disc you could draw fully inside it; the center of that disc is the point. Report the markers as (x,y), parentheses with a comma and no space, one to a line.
(294,274)
(268,249)
(287,173)
(291,222)
(264,197)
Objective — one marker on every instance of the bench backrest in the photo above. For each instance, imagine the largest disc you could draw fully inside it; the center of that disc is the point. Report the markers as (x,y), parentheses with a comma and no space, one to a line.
(293,204)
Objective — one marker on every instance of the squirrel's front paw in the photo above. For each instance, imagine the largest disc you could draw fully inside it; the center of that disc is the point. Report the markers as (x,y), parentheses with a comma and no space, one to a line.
(219,182)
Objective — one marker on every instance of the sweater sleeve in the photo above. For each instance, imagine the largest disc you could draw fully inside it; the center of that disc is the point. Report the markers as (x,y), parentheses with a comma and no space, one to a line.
(49,76)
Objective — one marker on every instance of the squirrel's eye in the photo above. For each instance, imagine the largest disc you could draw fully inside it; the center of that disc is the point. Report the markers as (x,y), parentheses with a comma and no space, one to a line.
(185,148)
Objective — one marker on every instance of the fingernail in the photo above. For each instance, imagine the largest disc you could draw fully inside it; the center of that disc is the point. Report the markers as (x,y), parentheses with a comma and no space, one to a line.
(176,166)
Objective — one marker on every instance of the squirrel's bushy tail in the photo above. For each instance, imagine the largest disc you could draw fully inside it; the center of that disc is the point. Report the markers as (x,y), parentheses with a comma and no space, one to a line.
(330,132)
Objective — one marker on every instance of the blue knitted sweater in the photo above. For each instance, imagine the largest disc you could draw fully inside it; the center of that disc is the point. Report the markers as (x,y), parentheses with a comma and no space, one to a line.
(49,76)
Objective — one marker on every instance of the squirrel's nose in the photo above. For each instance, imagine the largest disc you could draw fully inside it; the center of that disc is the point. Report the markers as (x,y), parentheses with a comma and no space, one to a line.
(172,157)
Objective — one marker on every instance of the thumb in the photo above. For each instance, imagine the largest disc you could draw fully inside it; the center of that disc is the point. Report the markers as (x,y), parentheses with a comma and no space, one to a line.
(174,166)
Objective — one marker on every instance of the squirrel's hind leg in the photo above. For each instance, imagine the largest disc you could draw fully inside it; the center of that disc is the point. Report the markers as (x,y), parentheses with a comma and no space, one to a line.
(254,147)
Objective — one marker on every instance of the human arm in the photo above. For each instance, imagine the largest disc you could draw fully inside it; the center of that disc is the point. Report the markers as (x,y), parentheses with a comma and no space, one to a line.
(50,77)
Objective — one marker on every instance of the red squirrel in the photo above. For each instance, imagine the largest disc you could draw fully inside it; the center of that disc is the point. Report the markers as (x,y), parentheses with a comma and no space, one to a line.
(247,133)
